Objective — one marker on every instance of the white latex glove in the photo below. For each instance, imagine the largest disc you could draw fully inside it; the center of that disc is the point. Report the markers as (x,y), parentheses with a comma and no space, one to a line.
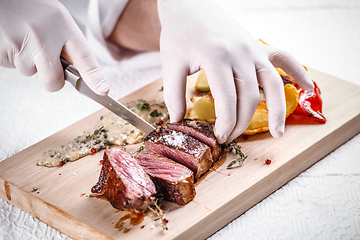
(200,35)
(33,35)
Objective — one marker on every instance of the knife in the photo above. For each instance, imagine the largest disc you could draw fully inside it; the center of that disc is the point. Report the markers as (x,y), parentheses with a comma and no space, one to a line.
(73,77)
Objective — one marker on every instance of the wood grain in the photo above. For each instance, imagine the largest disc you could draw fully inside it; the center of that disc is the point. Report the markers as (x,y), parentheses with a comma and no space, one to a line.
(62,196)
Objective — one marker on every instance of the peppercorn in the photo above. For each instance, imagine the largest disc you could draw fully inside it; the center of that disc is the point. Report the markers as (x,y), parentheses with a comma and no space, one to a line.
(93,150)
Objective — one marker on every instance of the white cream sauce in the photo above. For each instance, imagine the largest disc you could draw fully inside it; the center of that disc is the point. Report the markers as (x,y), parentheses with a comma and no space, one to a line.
(110,130)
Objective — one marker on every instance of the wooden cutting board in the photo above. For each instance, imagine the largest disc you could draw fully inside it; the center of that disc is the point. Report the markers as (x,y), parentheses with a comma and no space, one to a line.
(62,196)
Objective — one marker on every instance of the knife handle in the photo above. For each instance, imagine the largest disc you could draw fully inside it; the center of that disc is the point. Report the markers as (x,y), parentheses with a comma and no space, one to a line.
(64,63)
(71,74)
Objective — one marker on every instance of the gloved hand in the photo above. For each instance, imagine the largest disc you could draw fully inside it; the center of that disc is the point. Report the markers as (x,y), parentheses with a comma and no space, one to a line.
(33,35)
(200,35)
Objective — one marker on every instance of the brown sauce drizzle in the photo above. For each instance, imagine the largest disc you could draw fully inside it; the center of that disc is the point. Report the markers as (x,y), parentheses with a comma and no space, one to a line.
(97,195)
(214,167)
(134,220)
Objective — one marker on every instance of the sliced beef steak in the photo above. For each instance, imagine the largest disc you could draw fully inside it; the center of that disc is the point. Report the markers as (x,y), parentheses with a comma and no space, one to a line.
(202,131)
(181,148)
(124,182)
(173,181)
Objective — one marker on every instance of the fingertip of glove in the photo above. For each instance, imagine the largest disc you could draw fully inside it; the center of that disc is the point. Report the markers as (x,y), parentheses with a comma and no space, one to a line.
(306,83)
(98,83)
(103,89)
(221,138)
(175,118)
(309,86)
(278,132)
(176,113)
(53,86)
(223,131)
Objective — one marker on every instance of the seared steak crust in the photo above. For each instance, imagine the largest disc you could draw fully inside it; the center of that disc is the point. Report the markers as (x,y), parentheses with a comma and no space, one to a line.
(124,182)
(181,148)
(202,131)
(173,181)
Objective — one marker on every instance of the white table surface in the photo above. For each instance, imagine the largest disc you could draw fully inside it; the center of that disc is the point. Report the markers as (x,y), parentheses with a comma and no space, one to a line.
(321,203)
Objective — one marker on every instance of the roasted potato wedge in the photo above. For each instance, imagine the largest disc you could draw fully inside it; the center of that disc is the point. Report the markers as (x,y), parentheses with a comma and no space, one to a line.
(259,122)
(203,85)
(204,110)
(201,82)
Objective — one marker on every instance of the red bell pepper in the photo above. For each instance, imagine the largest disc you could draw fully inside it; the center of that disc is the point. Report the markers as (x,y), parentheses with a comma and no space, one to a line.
(309,108)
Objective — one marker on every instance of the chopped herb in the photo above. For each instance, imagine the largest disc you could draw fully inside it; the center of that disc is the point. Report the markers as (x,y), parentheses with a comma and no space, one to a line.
(139,150)
(143,106)
(162,104)
(96,132)
(155,208)
(234,146)
(154,113)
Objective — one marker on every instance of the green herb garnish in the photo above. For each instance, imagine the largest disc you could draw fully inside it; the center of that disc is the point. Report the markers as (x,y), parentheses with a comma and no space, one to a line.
(154,113)
(162,104)
(234,146)
(143,106)
(155,208)
(96,132)
(139,150)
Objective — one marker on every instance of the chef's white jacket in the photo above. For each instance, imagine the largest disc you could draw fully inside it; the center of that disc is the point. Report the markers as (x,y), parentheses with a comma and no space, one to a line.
(126,70)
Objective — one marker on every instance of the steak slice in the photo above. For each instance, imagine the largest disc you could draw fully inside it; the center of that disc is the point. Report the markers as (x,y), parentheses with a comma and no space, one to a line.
(202,131)
(124,182)
(173,181)
(181,148)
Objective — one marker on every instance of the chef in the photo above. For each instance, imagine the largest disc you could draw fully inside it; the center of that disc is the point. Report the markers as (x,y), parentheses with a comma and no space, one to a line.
(136,41)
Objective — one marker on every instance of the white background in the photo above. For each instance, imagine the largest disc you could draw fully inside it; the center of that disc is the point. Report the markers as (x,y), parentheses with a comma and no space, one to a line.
(321,203)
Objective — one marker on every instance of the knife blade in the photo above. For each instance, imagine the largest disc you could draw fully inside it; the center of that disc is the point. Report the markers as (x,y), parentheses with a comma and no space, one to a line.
(72,75)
